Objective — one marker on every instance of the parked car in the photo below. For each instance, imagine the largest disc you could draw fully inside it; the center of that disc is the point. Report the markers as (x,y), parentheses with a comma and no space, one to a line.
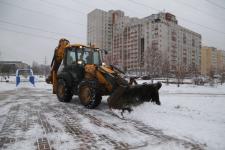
(147,77)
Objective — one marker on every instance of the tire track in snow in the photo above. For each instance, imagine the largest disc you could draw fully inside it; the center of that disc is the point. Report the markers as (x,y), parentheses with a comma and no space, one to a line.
(20,119)
(72,126)
(71,116)
(15,126)
(165,138)
(85,137)
(157,135)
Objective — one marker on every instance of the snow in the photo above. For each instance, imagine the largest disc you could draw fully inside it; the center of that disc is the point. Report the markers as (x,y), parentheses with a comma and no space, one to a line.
(4,86)
(188,112)
(195,112)
(11,85)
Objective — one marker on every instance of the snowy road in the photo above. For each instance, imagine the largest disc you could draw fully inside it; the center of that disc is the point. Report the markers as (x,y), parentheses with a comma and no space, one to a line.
(32,118)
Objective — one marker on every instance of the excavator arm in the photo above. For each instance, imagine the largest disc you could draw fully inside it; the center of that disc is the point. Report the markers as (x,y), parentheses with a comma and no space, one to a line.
(56,62)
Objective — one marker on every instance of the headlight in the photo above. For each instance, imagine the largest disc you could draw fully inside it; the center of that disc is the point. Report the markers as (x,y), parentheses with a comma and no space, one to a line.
(79,62)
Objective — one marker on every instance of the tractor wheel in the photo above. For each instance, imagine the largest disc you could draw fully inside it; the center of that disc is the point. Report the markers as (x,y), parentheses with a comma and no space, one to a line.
(88,95)
(63,93)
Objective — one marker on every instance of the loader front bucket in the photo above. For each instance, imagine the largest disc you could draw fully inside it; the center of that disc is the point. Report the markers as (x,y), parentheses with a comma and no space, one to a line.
(133,95)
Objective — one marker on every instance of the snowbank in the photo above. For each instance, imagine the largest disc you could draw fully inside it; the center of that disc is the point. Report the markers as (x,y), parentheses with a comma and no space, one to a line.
(189,112)
(7,86)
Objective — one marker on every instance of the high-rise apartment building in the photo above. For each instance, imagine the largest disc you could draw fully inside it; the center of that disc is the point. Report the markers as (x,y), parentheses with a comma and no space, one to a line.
(100,30)
(177,45)
(220,60)
(128,49)
(208,60)
(135,43)
(212,60)
(100,27)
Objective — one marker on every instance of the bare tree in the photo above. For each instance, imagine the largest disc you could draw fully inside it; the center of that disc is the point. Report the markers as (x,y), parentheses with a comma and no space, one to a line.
(180,74)
(40,69)
(211,76)
(193,70)
(153,62)
(221,72)
(166,70)
(35,67)
(222,78)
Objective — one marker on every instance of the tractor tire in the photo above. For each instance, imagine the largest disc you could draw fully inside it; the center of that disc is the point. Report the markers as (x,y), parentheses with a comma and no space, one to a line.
(88,95)
(63,92)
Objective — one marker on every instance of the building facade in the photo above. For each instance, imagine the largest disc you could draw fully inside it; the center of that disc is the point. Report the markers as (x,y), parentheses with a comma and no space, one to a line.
(10,67)
(100,27)
(176,45)
(97,29)
(100,30)
(212,60)
(128,46)
(144,44)
(220,61)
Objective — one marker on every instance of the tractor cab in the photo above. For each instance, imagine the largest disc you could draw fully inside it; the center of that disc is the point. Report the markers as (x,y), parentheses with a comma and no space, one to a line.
(81,55)
(77,59)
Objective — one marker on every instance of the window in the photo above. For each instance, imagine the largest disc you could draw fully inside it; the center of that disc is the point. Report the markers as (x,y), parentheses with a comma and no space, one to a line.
(96,58)
(84,56)
(174,36)
(193,42)
(71,57)
(184,39)
(88,56)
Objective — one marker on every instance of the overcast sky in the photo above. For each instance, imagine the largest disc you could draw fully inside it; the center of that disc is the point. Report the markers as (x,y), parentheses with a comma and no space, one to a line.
(30,29)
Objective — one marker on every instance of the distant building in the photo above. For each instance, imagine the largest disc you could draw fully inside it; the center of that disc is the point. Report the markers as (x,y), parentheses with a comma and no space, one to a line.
(221,61)
(176,44)
(10,67)
(132,42)
(100,28)
(212,60)
(128,50)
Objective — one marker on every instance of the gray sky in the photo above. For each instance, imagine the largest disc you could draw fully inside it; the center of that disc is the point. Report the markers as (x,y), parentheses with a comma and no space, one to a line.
(30,29)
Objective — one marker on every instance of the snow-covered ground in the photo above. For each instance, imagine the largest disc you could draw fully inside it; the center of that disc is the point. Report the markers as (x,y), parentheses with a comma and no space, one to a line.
(11,85)
(196,112)
(192,113)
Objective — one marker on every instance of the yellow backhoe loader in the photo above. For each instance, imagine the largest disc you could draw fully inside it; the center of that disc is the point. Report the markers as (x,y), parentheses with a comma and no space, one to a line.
(78,70)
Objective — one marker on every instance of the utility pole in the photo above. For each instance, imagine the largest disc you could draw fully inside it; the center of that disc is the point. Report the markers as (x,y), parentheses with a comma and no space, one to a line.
(45,62)
(45,65)
(0,55)
(1,65)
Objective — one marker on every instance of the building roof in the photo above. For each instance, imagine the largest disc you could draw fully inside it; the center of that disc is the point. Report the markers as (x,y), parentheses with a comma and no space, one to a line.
(11,62)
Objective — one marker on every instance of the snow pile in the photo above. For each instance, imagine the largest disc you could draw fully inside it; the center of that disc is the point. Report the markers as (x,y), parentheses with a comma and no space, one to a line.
(11,85)
(6,86)
(188,112)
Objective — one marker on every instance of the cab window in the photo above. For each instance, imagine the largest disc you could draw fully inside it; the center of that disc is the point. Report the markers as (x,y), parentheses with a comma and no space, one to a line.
(84,56)
(96,58)
(71,57)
